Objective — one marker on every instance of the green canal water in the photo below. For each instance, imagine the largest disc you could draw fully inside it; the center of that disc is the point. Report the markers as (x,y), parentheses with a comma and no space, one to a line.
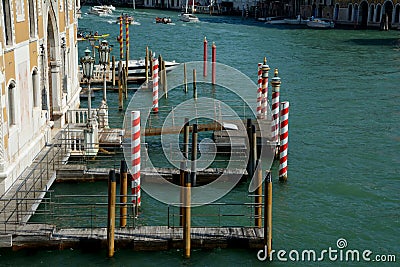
(344,139)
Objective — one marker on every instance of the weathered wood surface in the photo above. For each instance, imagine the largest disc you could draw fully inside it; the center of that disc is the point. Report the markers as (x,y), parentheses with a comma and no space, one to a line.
(110,137)
(141,238)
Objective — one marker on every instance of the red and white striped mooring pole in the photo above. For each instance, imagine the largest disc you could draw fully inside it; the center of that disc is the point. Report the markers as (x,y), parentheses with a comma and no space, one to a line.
(284,141)
(135,152)
(259,89)
(264,88)
(275,84)
(155,85)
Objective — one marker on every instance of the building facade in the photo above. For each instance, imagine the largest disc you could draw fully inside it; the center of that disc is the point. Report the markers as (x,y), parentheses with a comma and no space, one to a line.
(38,78)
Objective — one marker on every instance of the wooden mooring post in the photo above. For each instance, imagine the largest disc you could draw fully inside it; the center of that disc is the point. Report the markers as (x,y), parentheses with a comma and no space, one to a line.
(120,82)
(185,78)
(182,196)
(258,198)
(111,213)
(250,163)
(194,84)
(268,213)
(113,71)
(146,64)
(164,76)
(194,154)
(123,211)
(187,214)
(186,131)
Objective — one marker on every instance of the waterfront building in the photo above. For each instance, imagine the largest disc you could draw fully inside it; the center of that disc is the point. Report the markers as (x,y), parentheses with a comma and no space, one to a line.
(359,14)
(38,78)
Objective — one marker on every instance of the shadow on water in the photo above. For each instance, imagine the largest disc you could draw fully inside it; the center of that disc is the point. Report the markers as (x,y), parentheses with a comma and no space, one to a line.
(378,42)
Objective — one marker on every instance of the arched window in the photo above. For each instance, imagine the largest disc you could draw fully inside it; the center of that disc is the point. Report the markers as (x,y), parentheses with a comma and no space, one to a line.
(396,14)
(32,19)
(7,22)
(378,13)
(336,12)
(35,88)
(371,13)
(11,104)
(350,12)
(355,15)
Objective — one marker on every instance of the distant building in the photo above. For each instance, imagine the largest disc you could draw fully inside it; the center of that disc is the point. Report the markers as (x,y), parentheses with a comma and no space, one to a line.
(38,78)
(379,13)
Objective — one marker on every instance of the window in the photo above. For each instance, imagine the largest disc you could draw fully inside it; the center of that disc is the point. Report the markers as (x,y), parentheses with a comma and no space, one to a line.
(35,88)
(7,22)
(32,19)
(371,13)
(11,104)
(350,12)
(378,13)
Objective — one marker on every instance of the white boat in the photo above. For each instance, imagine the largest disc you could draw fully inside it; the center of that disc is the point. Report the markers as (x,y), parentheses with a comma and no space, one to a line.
(274,20)
(100,10)
(189,17)
(297,21)
(109,8)
(320,24)
(137,67)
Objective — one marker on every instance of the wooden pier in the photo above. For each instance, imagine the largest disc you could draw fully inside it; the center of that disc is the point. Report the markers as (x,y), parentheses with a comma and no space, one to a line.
(142,238)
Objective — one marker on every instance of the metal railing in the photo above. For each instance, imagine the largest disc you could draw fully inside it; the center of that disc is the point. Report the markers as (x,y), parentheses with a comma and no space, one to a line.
(215,215)
(19,203)
(82,211)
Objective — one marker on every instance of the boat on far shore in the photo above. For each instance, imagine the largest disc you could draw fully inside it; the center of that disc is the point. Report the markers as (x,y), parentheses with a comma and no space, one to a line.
(297,21)
(317,23)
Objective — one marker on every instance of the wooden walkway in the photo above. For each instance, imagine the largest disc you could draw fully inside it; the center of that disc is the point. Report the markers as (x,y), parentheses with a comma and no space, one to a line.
(154,238)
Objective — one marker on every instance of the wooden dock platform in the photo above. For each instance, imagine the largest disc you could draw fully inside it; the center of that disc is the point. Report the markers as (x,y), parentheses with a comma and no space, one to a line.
(142,238)
(110,136)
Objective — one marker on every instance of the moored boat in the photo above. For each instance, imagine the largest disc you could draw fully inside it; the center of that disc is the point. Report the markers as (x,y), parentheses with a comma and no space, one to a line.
(297,21)
(136,67)
(320,24)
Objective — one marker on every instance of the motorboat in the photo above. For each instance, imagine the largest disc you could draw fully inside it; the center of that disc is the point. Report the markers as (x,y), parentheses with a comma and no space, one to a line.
(274,20)
(187,17)
(100,10)
(137,67)
(297,21)
(320,24)
(163,20)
